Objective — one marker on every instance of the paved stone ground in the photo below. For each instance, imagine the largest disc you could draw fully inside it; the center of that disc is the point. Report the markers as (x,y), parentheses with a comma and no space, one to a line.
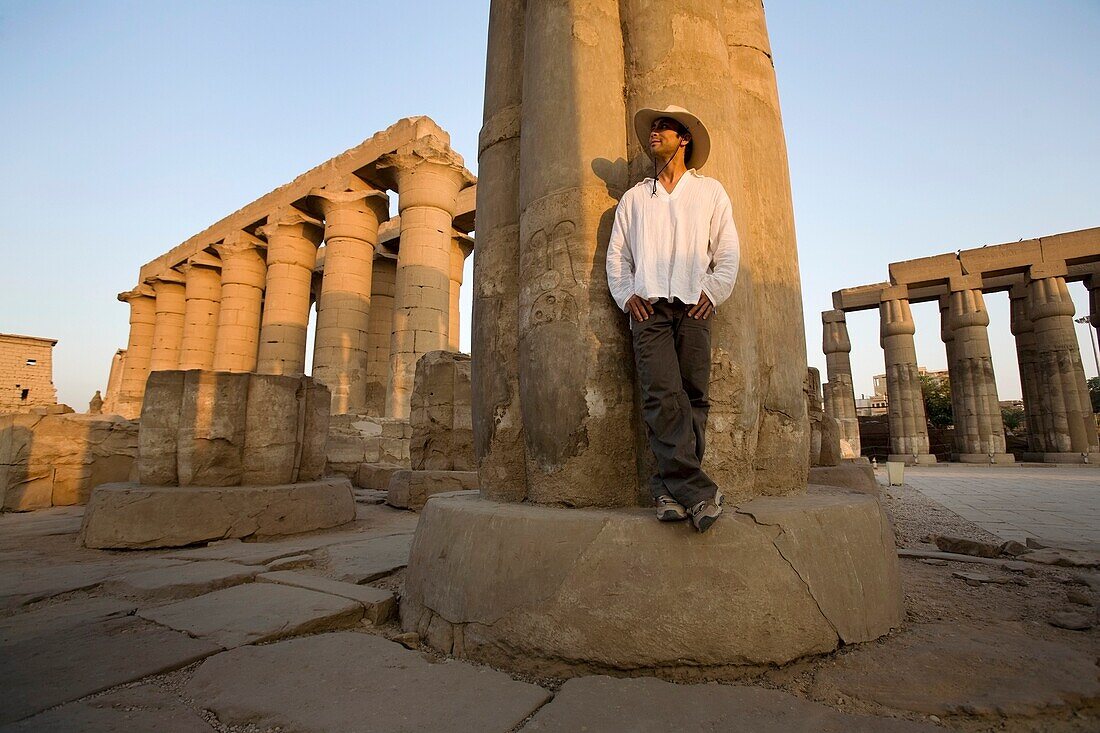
(224,638)
(1058,504)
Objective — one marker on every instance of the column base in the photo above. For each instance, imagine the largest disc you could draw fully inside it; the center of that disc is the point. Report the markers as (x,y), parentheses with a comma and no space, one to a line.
(998,459)
(136,516)
(924,459)
(559,591)
(1093,458)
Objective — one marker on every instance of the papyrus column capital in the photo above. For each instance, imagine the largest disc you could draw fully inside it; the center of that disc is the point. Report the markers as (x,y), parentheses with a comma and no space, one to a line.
(428,173)
(140,291)
(834,332)
(290,221)
(354,213)
(1049,297)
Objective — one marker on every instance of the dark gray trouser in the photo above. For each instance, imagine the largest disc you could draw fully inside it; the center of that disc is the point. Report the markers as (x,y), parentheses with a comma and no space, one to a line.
(672,358)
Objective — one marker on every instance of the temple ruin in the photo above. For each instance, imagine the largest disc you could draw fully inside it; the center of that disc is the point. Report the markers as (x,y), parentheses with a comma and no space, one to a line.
(1036,274)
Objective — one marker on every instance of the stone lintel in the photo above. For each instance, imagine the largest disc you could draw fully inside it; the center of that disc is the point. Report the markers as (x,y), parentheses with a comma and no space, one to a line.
(1078,247)
(926,270)
(354,161)
(957,283)
(861,297)
(894,292)
(1001,258)
(1048,269)
(166,276)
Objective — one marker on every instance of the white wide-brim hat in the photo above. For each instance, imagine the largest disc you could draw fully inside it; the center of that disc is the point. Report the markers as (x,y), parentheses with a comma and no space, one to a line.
(700,137)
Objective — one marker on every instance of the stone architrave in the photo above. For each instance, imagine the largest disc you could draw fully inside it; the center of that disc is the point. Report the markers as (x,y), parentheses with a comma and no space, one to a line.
(139,350)
(979,428)
(461,247)
(1024,332)
(498,426)
(352,213)
(840,396)
(908,424)
(244,275)
(379,333)
(1068,425)
(168,331)
(292,240)
(200,318)
(114,382)
(429,175)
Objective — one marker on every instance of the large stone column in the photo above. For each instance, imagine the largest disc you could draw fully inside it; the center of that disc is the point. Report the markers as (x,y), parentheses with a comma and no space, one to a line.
(765,220)
(114,383)
(668,43)
(429,176)
(200,318)
(1024,331)
(292,240)
(947,335)
(908,424)
(575,363)
(979,428)
(168,333)
(461,247)
(139,350)
(244,274)
(352,214)
(494,346)
(380,333)
(840,401)
(1068,426)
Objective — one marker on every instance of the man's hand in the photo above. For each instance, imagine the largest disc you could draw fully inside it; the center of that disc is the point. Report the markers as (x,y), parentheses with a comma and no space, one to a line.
(639,308)
(702,309)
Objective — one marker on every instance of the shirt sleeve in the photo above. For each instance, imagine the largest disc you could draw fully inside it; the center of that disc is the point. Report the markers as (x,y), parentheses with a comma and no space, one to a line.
(620,260)
(725,250)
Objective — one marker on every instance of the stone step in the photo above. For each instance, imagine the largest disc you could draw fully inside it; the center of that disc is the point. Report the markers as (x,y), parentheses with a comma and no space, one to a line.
(379,605)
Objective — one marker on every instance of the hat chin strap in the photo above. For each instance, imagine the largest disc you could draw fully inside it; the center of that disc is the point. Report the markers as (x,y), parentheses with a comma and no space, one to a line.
(657,173)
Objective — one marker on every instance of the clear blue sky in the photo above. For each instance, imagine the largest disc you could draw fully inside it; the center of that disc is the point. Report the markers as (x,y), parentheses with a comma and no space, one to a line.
(913,129)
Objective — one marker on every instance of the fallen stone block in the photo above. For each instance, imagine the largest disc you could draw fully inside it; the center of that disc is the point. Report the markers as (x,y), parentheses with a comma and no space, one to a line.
(1072,621)
(125,516)
(376,475)
(853,476)
(412,489)
(379,605)
(963,546)
(256,612)
(348,682)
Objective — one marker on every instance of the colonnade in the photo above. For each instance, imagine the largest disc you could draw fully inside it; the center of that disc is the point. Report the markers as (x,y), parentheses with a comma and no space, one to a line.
(242,303)
(1059,417)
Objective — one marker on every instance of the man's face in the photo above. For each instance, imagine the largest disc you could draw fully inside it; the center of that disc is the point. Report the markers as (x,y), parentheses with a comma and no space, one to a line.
(665,136)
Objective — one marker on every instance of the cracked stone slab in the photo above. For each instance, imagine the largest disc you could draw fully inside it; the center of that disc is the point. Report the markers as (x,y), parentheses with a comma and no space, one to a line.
(647,705)
(58,618)
(367,560)
(351,682)
(141,708)
(21,585)
(941,669)
(547,589)
(378,604)
(180,581)
(56,668)
(256,612)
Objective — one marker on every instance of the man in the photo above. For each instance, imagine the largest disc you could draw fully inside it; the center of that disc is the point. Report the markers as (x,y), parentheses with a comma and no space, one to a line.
(673,259)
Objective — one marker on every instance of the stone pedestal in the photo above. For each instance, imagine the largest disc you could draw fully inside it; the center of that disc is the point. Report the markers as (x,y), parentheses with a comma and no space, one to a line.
(343,306)
(168,329)
(908,425)
(777,579)
(244,276)
(292,240)
(139,351)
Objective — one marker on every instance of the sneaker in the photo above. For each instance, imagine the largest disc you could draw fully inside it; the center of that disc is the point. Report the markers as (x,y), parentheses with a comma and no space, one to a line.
(704,514)
(670,510)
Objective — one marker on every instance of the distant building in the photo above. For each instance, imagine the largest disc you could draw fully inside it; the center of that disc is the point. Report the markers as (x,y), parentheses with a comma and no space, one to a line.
(26,373)
(878,403)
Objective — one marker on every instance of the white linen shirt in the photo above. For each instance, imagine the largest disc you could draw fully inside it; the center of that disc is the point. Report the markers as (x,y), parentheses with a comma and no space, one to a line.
(674,245)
